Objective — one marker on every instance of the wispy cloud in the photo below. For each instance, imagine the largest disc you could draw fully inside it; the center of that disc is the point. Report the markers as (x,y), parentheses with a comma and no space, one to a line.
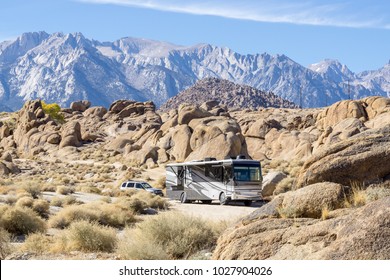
(306,12)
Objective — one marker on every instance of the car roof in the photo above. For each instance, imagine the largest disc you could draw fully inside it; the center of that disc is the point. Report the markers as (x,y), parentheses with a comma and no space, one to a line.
(134,181)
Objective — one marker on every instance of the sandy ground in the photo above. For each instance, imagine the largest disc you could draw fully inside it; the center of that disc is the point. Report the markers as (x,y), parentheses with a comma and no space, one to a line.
(214,211)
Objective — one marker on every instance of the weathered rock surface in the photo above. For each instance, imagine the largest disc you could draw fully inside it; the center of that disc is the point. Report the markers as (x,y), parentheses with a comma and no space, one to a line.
(270,181)
(363,158)
(359,234)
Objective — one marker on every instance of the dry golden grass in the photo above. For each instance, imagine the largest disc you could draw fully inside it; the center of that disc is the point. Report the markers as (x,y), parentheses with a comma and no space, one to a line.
(33,188)
(325,213)
(105,214)
(37,243)
(287,184)
(25,202)
(41,207)
(86,236)
(21,220)
(65,190)
(5,244)
(168,236)
(358,196)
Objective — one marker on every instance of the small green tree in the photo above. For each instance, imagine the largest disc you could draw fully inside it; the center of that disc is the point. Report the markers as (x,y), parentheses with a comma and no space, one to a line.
(53,110)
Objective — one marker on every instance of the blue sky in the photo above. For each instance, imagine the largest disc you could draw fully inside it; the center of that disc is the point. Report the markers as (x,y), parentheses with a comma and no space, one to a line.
(357,33)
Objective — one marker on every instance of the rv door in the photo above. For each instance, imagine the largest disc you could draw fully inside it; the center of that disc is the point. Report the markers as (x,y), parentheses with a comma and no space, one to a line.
(228,179)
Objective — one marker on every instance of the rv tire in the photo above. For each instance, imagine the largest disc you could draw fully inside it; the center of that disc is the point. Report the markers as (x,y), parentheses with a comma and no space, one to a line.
(183,198)
(223,200)
(247,202)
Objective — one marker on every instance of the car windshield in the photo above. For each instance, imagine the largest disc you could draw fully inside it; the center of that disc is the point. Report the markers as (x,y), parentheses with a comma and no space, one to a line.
(250,173)
(146,185)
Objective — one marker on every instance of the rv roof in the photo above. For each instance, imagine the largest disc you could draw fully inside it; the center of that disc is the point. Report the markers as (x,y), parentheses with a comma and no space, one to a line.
(201,162)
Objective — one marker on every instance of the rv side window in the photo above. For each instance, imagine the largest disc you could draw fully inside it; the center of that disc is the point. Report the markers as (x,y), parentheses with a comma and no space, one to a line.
(216,173)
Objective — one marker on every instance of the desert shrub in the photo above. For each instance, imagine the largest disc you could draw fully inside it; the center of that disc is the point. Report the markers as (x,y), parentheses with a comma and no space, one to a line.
(167,236)
(65,190)
(105,214)
(285,185)
(106,199)
(22,220)
(71,214)
(10,199)
(5,243)
(115,216)
(54,111)
(49,188)
(37,243)
(25,202)
(42,207)
(33,189)
(142,200)
(161,182)
(90,237)
(56,201)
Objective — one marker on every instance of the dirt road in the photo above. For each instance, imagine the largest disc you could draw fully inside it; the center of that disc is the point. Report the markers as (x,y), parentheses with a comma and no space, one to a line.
(215,212)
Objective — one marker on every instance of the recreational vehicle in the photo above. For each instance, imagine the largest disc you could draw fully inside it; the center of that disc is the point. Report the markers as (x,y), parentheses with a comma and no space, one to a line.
(226,180)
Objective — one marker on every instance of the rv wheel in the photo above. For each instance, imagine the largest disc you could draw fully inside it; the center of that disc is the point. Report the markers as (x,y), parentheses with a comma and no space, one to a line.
(183,198)
(222,199)
(247,202)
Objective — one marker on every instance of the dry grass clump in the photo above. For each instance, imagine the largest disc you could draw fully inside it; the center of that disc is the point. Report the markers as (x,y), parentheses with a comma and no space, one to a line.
(5,189)
(33,189)
(21,220)
(38,243)
(285,185)
(73,213)
(325,213)
(5,243)
(160,183)
(142,200)
(65,190)
(87,236)
(25,201)
(358,196)
(168,236)
(49,188)
(64,201)
(41,207)
(105,214)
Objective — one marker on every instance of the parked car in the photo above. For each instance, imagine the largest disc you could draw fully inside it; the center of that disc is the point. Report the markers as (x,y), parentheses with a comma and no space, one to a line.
(138,185)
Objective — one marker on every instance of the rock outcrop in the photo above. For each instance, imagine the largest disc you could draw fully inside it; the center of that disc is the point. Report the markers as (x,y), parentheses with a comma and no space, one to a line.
(359,234)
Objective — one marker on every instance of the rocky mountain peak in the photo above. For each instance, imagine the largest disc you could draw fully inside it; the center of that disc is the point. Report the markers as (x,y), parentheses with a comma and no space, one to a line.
(228,94)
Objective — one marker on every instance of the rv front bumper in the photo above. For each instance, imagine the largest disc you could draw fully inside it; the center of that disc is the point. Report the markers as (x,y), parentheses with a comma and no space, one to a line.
(244,196)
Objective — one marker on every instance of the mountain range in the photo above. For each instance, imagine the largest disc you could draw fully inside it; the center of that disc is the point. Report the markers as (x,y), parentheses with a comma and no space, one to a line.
(63,68)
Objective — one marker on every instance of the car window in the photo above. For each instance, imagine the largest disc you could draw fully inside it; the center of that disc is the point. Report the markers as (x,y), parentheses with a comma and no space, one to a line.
(124,185)
(130,185)
(138,186)
(146,186)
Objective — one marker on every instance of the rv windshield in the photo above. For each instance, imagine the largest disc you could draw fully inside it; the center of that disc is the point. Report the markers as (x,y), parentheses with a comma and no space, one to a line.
(247,173)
